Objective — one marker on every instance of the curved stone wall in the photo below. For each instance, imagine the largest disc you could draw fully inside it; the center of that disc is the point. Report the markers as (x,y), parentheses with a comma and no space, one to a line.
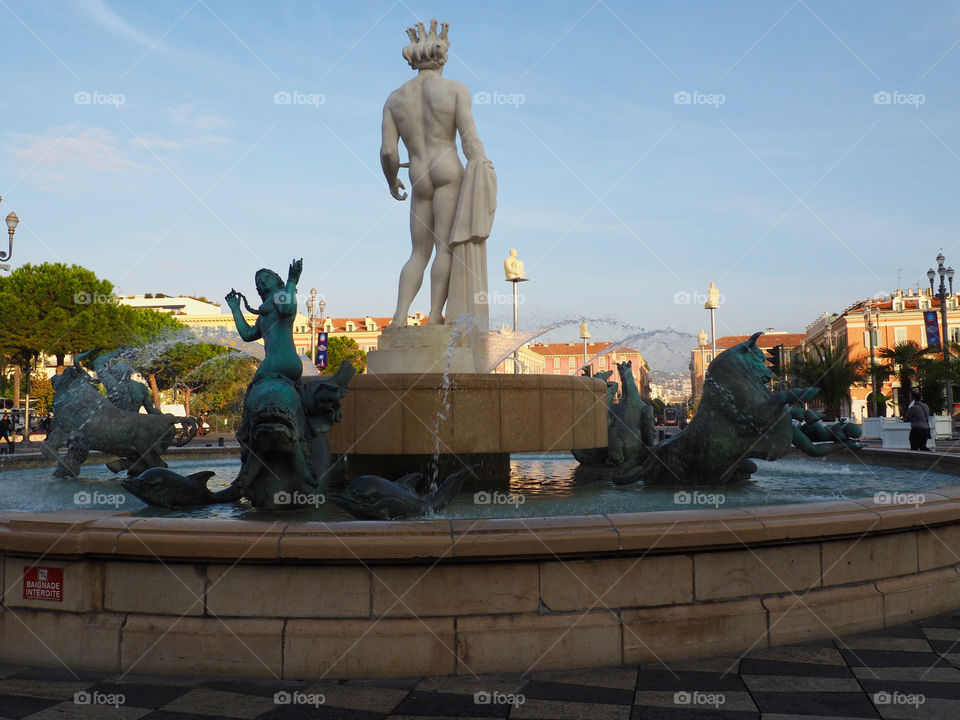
(363,599)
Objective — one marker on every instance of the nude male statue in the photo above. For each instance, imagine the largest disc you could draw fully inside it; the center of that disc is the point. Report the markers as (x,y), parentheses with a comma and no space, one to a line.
(426,113)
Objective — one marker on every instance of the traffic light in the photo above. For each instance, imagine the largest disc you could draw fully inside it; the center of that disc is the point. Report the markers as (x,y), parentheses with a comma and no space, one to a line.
(775,359)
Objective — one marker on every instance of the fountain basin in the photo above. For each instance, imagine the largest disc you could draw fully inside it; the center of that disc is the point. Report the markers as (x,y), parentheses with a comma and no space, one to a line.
(284,598)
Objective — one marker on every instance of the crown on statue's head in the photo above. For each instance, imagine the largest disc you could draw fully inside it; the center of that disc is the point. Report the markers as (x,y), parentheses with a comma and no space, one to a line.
(427,49)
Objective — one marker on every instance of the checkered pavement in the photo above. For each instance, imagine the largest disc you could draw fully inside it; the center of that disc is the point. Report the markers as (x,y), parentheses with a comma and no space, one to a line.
(908,672)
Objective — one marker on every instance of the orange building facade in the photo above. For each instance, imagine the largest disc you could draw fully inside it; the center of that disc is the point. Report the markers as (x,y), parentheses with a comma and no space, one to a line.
(701,357)
(897,318)
(567,359)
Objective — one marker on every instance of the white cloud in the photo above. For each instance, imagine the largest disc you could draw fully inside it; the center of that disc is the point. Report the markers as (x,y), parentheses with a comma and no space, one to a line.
(190,117)
(100,13)
(90,149)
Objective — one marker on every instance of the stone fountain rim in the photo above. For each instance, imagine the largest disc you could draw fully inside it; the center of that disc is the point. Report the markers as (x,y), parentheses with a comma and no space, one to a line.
(109,533)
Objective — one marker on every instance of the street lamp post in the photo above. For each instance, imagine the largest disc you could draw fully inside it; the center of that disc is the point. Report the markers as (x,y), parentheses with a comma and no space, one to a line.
(871,328)
(702,342)
(944,339)
(12,222)
(584,335)
(712,303)
(513,269)
(311,310)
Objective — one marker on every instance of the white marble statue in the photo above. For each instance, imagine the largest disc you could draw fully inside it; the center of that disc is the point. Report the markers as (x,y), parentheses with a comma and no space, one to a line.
(513,267)
(451,209)
(713,298)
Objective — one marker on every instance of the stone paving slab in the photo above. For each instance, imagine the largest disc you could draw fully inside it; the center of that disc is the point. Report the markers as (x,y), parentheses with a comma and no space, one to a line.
(907,672)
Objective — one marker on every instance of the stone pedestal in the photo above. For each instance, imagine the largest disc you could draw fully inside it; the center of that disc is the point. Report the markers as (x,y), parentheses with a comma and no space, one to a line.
(464,414)
(424,349)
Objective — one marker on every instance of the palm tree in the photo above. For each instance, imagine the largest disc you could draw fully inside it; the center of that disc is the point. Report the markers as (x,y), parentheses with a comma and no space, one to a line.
(830,368)
(905,357)
(932,377)
(878,374)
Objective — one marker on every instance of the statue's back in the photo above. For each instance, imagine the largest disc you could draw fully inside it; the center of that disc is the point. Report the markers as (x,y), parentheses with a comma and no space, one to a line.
(425,112)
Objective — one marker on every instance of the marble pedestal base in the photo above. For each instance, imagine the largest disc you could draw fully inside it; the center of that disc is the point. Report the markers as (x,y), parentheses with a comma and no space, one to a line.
(424,349)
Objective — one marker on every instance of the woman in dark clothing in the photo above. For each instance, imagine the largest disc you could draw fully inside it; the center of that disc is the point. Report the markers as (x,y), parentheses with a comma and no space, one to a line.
(6,432)
(918,415)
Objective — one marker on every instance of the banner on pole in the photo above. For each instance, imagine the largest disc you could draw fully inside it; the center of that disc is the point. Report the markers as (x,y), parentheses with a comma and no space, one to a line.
(933,328)
(322,350)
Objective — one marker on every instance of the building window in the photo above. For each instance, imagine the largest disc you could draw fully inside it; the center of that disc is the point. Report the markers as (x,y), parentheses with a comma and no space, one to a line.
(955,335)
(556,363)
(899,335)
(898,304)
(923,303)
(570,363)
(952,303)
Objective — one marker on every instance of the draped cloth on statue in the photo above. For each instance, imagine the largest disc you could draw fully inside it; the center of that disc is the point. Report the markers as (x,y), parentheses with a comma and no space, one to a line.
(471,228)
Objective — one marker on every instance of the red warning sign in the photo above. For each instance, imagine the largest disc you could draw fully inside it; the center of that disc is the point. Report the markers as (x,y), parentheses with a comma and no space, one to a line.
(43,583)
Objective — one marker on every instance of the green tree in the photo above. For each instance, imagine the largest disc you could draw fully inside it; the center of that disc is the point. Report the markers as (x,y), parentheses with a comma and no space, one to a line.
(41,393)
(229,376)
(830,368)
(905,359)
(56,309)
(182,365)
(878,373)
(340,348)
(658,406)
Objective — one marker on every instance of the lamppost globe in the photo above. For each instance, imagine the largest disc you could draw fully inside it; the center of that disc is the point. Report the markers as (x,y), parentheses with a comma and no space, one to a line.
(931,274)
(12,222)
(940,259)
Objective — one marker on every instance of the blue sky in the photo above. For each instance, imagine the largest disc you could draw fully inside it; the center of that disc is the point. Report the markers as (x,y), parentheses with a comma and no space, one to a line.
(783,179)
